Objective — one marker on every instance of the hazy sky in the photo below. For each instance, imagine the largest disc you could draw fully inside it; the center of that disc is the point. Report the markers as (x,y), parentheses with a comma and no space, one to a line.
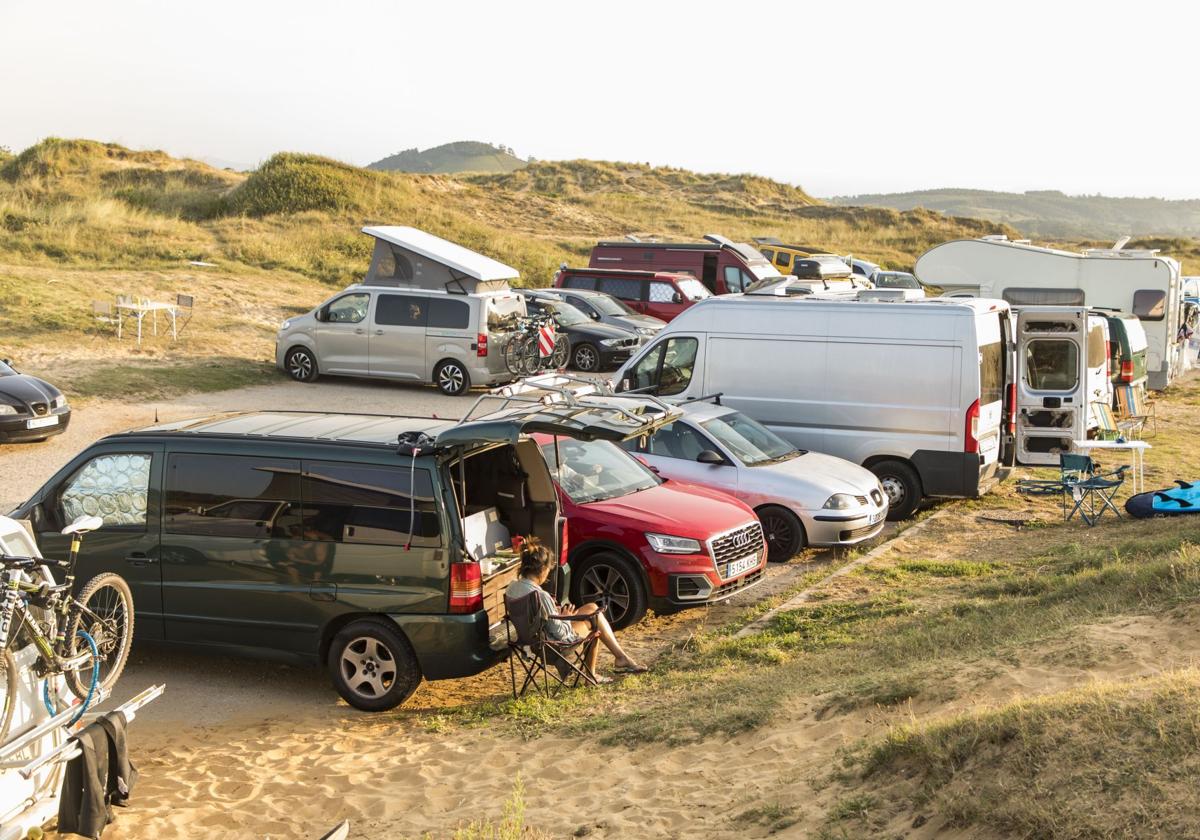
(839,97)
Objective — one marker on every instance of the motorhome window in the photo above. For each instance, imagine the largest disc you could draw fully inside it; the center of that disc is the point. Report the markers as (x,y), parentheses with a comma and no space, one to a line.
(1044,297)
(1150,304)
(624,288)
(991,373)
(595,470)
(113,487)
(401,311)
(735,280)
(232,496)
(662,293)
(693,289)
(354,503)
(392,265)
(895,280)
(679,360)
(580,282)
(348,309)
(502,312)
(1051,365)
(1097,354)
(449,314)
(678,440)
(782,259)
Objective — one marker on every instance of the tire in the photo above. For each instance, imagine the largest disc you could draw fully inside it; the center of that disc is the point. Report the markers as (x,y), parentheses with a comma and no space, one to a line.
(452,378)
(901,486)
(514,354)
(372,665)
(562,353)
(107,595)
(586,358)
(301,365)
(608,578)
(8,685)
(783,531)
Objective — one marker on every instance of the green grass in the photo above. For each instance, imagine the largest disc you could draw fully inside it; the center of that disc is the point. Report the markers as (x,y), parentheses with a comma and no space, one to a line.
(150,380)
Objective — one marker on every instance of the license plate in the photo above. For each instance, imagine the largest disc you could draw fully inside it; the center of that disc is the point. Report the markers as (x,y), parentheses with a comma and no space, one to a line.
(875,518)
(736,567)
(41,422)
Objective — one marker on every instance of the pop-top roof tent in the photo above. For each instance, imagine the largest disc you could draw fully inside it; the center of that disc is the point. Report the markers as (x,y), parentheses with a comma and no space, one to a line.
(405,256)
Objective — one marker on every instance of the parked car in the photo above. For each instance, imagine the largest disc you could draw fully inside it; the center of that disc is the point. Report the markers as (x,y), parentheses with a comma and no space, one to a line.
(722,266)
(593,345)
(429,311)
(640,541)
(317,537)
(801,498)
(913,290)
(661,295)
(607,309)
(31,409)
(918,392)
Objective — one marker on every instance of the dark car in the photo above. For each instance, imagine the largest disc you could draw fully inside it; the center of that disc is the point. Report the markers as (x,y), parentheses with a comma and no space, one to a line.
(607,309)
(594,346)
(343,539)
(30,408)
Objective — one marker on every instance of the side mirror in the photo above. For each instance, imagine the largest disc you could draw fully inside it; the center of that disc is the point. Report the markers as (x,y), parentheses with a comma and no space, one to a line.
(595,316)
(626,384)
(323,314)
(677,298)
(7,362)
(710,457)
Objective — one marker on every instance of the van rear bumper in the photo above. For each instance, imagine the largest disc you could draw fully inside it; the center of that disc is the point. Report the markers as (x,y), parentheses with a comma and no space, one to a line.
(449,646)
(957,474)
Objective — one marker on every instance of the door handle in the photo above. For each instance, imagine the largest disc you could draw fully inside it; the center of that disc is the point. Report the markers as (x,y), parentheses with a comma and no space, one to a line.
(139,558)
(358,331)
(378,332)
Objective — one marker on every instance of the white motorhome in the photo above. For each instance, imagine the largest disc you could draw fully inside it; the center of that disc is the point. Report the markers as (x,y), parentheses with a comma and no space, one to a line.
(914,391)
(1141,282)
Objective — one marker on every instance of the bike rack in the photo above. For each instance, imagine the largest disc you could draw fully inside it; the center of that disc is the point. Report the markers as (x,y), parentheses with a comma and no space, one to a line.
(568,390)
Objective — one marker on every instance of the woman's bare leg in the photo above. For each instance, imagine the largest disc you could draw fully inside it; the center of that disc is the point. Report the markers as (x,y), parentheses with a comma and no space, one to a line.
(623,660)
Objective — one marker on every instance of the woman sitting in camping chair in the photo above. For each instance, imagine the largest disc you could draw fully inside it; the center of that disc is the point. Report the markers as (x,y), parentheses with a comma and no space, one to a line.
(537,561)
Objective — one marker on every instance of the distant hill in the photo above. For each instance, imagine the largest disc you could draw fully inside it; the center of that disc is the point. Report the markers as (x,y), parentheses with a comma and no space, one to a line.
(1050,213)
(464,156)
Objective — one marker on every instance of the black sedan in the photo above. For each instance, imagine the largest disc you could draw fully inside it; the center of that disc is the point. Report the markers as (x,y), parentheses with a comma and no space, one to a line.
(593,346)
(30,408)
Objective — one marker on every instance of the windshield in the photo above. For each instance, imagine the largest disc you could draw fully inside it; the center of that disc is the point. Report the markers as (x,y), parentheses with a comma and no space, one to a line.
(565,315)
(895,280)
(752,442)
(693,289)
(762,270)
(595,470)
(610,305)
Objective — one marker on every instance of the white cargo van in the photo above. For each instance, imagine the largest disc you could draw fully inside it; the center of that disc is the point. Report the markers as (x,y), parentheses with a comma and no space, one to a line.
(913,390)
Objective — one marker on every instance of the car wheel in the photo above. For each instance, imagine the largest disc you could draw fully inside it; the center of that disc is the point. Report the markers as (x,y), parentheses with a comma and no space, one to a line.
(901,486)
(301,365)
(372,665)
(452,378)
(610,580)
(585,358)
(783,531)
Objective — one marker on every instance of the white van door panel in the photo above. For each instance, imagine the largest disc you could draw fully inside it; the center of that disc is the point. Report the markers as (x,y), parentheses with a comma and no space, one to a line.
(1099,385)
(1052,399)
(343,337)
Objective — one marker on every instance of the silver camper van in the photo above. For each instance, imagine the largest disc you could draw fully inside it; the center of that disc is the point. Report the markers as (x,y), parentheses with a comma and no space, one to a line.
(428,311)
(916,391)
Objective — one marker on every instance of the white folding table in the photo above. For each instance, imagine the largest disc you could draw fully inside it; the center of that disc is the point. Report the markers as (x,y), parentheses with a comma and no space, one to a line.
(1136,448)
(139,311)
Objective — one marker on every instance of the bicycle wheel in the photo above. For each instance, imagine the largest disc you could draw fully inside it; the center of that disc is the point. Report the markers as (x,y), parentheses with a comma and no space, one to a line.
(532,360)
(109,598)
(8,685)
(513,356)
(562,349)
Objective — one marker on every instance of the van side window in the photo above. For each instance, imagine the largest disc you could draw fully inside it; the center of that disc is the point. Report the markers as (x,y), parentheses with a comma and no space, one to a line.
(580,283)
(1150,304)
(232,496)
(991,373)
(645,372)
(348,309)
(782,259)
(113,487)
(735,280)
(667,367)
(449,314)
(1097,352)
(625,288)
(767,252)
(367,505)
(662,293)
(402,311)
(1051,365)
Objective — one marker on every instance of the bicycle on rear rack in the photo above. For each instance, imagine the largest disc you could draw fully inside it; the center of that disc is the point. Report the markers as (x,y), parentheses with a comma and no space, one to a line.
(85,638)
(523,354)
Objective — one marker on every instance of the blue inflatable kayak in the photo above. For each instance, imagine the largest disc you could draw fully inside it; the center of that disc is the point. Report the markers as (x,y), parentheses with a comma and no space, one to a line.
(1173,501)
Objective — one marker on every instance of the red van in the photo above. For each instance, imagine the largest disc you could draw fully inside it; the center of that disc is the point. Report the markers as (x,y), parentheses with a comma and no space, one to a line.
(655,293)
(639,541)
(722,266)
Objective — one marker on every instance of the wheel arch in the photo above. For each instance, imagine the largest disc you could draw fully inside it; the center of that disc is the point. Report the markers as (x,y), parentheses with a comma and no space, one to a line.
(337,623)
(879,459)
(591,548)
(306,346)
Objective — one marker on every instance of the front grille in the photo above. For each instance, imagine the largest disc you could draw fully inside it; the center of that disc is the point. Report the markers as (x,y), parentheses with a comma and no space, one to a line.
(855,533)
(727,589)
(877,497)
(39,408)
(862,500)
(735,545)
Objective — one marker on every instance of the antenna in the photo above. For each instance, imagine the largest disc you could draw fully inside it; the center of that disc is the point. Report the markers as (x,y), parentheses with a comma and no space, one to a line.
(156,415)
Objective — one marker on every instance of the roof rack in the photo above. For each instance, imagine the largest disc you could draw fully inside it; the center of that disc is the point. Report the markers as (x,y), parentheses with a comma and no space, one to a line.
(558,389)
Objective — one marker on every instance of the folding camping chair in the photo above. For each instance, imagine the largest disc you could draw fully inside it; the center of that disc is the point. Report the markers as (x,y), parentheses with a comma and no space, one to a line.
(1110,427)
(1133,406)
(184,308)
(102,312)
(558,664)
(1080,479)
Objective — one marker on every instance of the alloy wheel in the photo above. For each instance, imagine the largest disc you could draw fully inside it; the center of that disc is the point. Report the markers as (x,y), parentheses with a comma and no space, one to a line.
(300,366)
(450,379)
(605,585)
(585,358)
(368,667)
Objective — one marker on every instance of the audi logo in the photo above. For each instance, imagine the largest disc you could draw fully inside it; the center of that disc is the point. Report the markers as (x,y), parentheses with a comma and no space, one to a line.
(742,539)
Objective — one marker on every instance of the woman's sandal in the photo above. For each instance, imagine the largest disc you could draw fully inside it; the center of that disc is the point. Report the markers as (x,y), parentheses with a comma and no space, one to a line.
(630,669)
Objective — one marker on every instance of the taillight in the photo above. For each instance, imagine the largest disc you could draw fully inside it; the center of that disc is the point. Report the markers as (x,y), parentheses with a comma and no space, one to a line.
(562,545)
(971,429)
(481,344)
(466,588)
(1012,408)
(1127,371)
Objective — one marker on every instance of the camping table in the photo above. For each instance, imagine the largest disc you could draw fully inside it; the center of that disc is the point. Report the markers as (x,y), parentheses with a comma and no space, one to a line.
(139,310)
(1136,448)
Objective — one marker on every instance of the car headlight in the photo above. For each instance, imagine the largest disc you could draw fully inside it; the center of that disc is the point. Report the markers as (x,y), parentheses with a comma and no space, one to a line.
(647,330)
(840,501)
(286,325)
(665,544)
(58,402)
(610,342)
(7,409)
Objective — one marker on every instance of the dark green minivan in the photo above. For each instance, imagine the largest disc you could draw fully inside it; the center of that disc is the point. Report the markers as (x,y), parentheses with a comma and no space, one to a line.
(334,538)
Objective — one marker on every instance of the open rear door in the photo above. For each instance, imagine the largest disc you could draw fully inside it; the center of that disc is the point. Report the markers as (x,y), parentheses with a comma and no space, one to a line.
(1052,409)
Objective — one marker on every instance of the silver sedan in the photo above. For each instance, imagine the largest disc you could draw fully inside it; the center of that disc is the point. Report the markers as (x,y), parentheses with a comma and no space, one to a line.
(801,498)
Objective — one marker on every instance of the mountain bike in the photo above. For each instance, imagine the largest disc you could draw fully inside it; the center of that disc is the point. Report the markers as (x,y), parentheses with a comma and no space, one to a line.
(85,638)
(522,353)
